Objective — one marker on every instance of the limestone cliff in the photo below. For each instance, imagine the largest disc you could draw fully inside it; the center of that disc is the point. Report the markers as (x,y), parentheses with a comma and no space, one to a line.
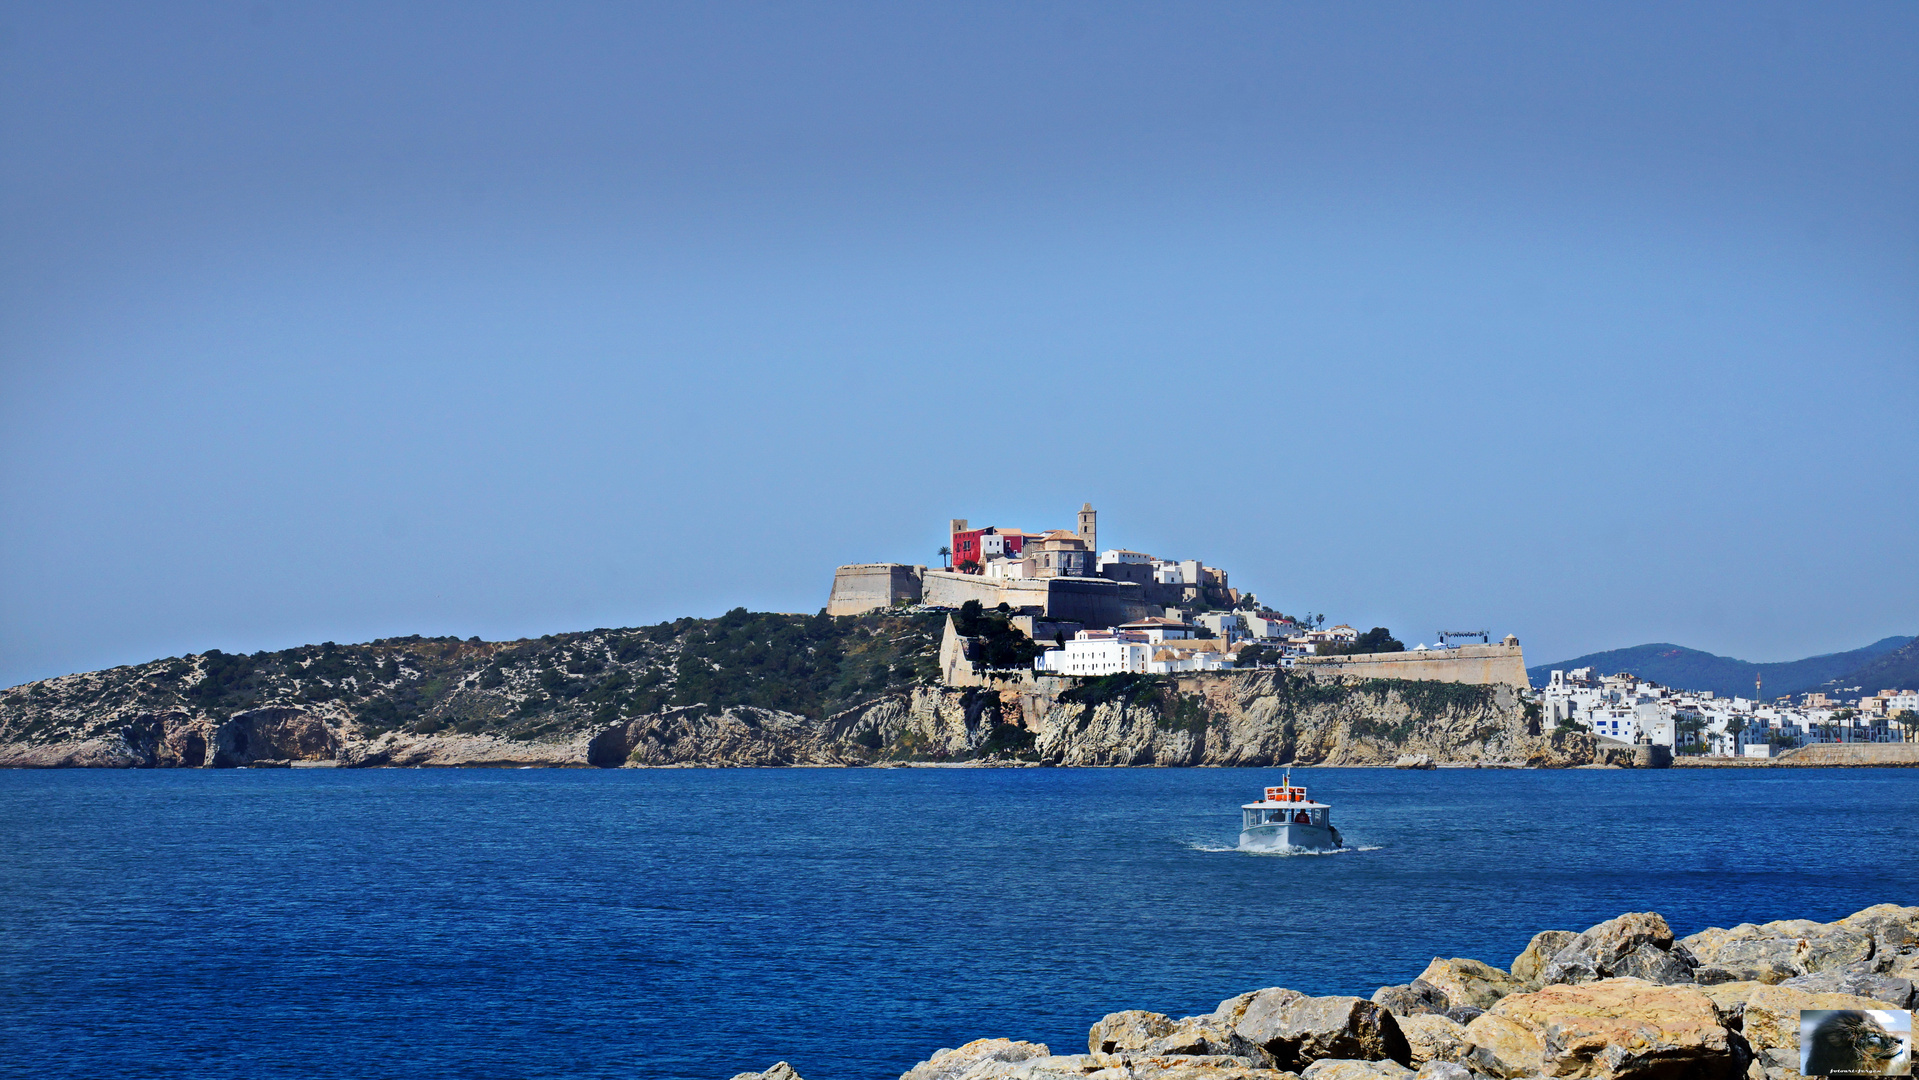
(1271,717)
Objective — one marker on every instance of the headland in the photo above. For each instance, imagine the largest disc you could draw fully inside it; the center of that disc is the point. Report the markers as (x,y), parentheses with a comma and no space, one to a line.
(1029,648)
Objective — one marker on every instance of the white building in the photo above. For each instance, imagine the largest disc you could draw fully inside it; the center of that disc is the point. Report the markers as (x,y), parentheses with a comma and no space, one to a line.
(1265,629)
(1170,661)
(1630,709)
(1138,647)
(1004,569)
(1103,654)
(1223,624)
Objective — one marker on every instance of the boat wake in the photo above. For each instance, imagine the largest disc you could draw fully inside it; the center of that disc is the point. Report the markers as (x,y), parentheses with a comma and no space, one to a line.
(1210,846)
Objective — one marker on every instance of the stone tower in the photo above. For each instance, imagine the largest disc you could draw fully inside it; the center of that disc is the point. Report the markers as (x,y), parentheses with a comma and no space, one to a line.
(1089,528)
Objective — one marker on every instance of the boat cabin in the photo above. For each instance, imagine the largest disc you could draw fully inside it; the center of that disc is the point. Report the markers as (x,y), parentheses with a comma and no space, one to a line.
(1286,805)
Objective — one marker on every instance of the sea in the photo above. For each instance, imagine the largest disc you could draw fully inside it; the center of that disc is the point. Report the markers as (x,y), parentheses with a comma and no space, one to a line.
(697,923)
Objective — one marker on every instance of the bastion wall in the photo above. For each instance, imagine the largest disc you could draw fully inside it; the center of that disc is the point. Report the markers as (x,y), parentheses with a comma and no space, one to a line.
(1483,665)
(864,587)
(950,588)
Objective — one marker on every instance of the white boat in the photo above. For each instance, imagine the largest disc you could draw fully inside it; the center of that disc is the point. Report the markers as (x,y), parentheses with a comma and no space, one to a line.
(1286,818)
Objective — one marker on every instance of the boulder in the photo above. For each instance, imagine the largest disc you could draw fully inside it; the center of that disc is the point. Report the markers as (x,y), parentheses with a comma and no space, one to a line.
(981,1059)
(1538,953)
(1433,1038)
(1464,1014)
(1349,1069)
(1074,1067)
(1729,998)
(1771,1020)
(1414,761)
(1468,982)
(1411,999)
(1895,937)
(1834,948)
(1865,984)
(1593,954)
(1133,1029)
(1134,1067)
(780,1071)
(1504,1048)
(1604,1029)
(1204,1035)
(1656,965)
(1443,1070)
(1234,1010)
(1308,1029)
(1776,951)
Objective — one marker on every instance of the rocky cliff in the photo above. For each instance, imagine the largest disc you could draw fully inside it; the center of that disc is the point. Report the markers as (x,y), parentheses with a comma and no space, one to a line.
(1623,999)
(1270,717)
(744,689)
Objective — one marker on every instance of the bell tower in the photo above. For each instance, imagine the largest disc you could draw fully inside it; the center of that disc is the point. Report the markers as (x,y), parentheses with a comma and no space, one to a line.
(1089,529)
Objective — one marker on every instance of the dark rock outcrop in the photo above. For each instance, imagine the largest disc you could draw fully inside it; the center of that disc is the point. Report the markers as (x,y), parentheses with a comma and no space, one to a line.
(273,734)
(1415,998)
(1600,951)
(1309,1028)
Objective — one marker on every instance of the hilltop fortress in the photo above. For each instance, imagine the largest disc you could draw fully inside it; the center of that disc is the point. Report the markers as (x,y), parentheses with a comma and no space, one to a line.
(1129,611)
(1059,576)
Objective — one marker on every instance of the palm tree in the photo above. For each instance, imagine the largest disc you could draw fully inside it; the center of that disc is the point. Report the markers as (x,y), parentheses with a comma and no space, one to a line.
(944,553)
(1734,727)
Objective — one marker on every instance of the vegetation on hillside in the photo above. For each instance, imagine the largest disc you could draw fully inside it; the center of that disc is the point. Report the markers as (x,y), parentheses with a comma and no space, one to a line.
(1377,640)
(1000,644)
(813,665)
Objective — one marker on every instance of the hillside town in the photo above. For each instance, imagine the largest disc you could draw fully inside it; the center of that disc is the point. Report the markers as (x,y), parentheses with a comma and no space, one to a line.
(1634,710)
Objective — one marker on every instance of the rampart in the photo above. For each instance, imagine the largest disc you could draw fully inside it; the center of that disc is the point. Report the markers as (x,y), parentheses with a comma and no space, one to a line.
(950,588)
(864,587)
(1095,602)
(1852,754)
(1483,665)
(1091,602)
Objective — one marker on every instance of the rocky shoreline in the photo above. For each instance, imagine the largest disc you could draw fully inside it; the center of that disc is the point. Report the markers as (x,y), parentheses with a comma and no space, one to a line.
(1623,999)
(1255,718)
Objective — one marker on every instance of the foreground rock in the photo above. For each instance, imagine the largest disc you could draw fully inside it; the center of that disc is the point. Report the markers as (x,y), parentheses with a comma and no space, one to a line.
(1879,941)
(1639,941)
(1564,1009)
(977,1060)
(1306,1029)
(1468,982)
(1529,964)
(1611,1028)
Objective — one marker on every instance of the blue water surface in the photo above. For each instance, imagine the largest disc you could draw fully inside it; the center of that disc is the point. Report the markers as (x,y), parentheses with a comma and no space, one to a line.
(696,923)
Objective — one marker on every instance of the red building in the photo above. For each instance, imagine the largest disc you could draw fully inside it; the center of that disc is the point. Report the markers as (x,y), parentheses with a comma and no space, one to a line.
(978,545)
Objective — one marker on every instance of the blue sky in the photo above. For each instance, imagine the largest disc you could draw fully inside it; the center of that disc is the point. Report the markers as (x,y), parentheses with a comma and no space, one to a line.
(1593,324)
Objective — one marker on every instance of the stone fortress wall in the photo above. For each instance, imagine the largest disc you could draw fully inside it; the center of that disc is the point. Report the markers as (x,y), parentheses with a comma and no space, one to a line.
(1483,665)
(1096,602)
(1091,602)
(864,587)
(950,588)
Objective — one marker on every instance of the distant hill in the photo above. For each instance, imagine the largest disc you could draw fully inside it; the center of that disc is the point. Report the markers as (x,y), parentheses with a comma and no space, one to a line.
(1690,669)
(1895,670)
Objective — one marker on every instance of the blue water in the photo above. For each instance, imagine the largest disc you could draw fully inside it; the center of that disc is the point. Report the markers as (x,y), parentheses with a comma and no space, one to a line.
(695,923)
